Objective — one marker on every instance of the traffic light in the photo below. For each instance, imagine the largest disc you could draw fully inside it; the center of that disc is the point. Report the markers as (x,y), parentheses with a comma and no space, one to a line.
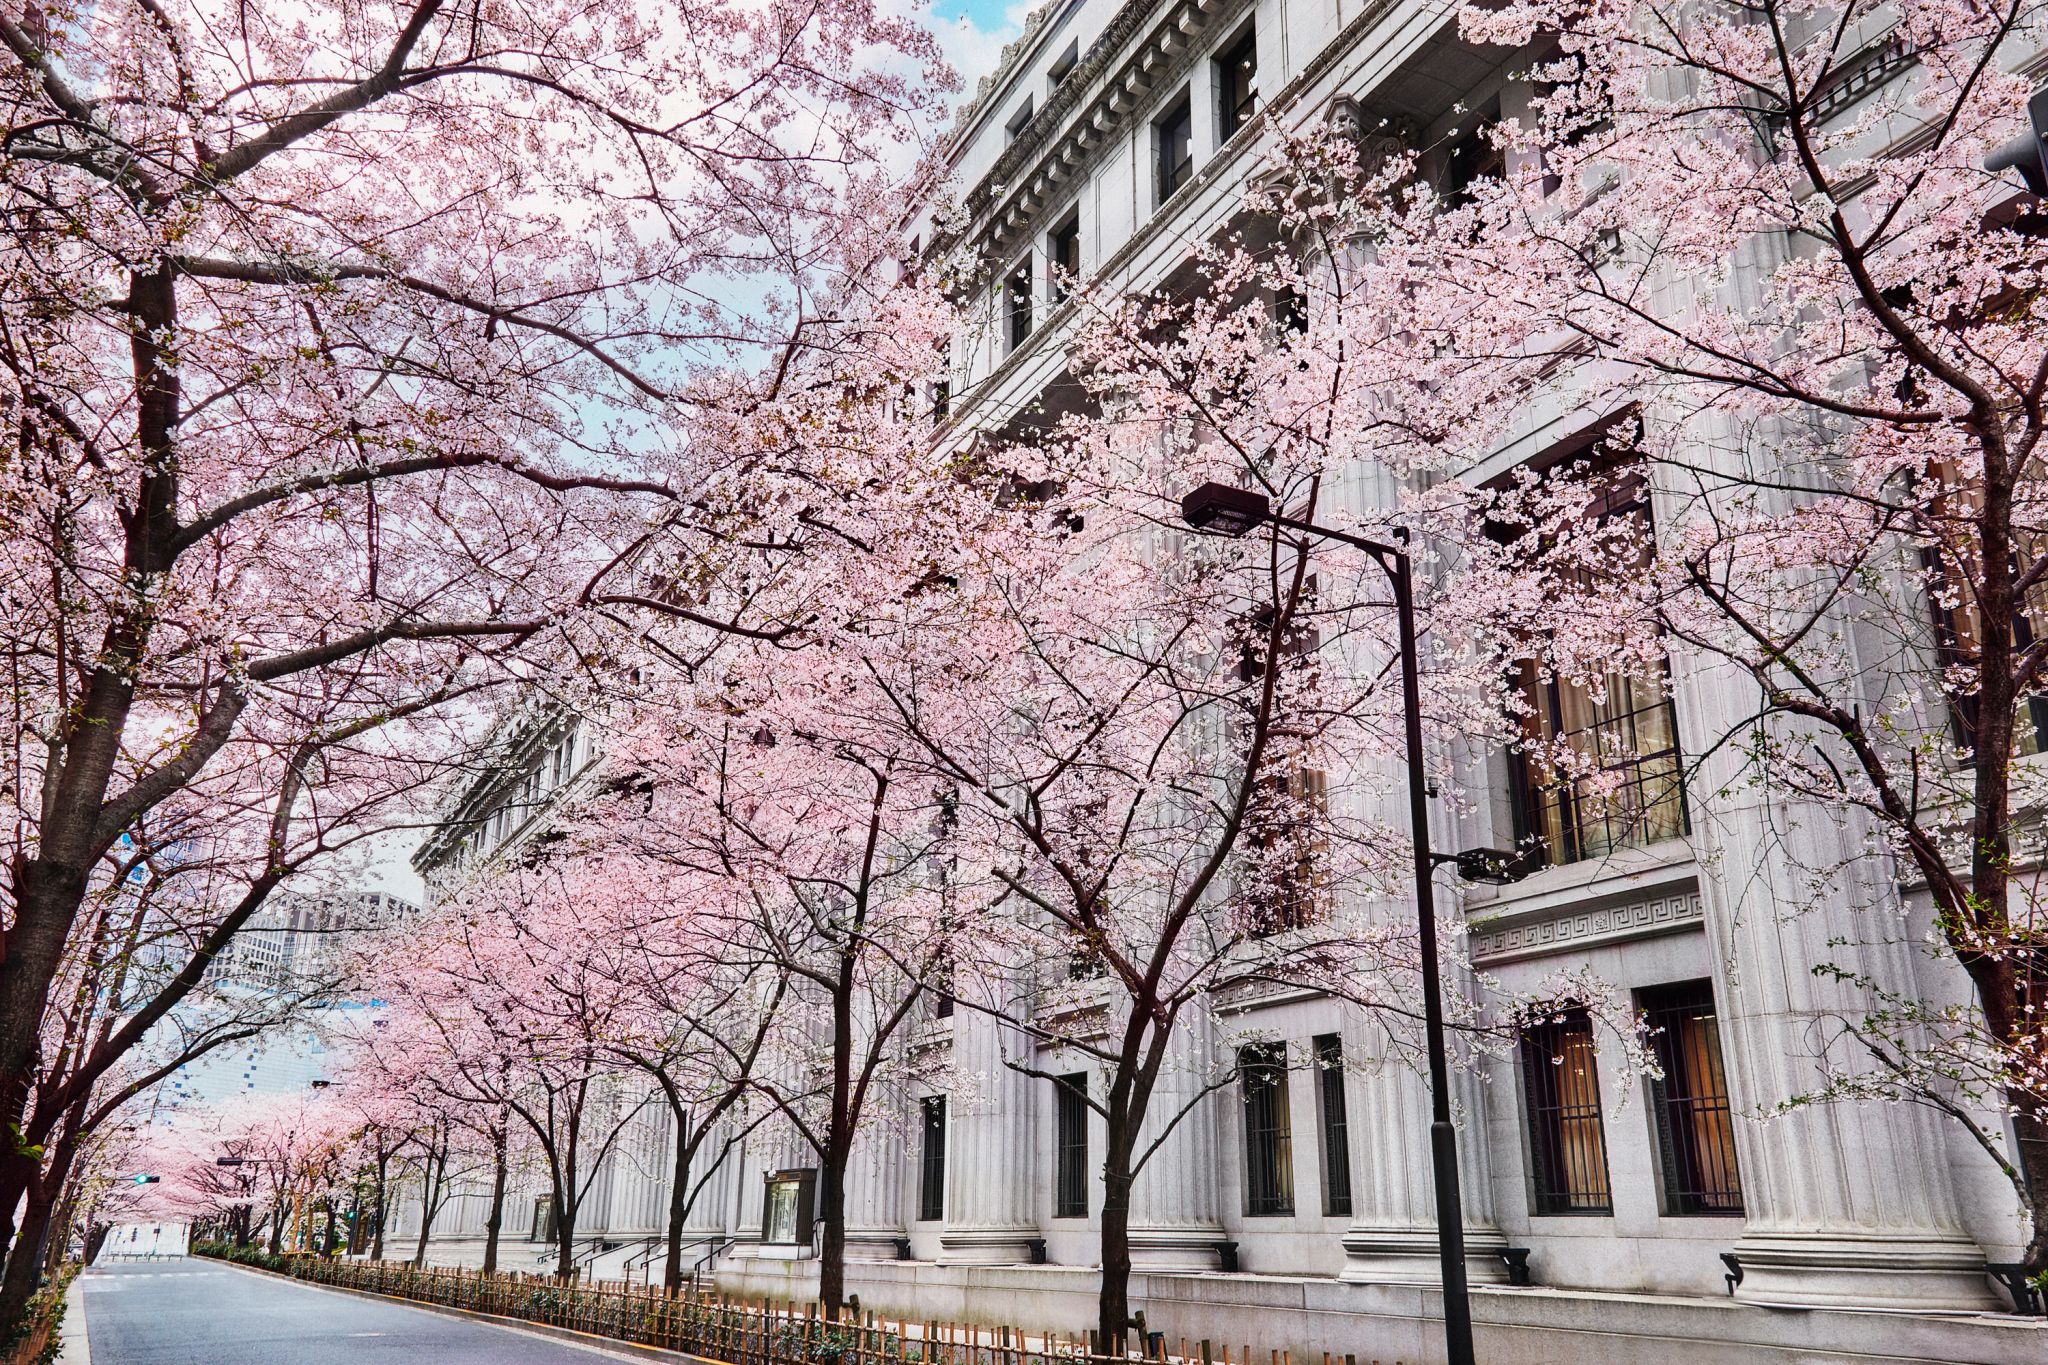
(146,1179)
(2027,153)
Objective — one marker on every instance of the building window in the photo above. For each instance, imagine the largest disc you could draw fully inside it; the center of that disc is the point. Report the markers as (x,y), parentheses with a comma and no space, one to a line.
(1237,84)
(1268,1142)
(1329,1053)
(1063,256)
(1695,1128)
(1070,1186)
(1017,300)
(1599,766)
(942,384)
(1561,1091)
(1173,143)
(786,1220)
(1955,577)
(1019,121)
(1473,155)
(931,1188)
(1063,65)
(1285,832)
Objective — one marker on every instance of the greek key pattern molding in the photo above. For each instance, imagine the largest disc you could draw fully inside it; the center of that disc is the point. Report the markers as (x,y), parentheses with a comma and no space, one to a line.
(1631,919)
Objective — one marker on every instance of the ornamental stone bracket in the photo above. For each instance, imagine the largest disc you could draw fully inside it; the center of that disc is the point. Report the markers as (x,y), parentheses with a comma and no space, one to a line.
(1536,933)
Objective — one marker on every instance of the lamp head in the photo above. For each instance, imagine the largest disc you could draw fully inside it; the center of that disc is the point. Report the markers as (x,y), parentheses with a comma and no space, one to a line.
(1224,509)
(1499,866)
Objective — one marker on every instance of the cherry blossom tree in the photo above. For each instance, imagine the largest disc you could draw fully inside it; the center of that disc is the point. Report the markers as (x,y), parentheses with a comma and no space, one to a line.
(333,339)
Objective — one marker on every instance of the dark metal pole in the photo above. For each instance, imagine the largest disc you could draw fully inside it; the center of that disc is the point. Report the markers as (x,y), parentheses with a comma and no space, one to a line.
(1443,1137)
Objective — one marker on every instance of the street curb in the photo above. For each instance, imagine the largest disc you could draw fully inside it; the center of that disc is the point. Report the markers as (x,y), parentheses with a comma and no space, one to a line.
(72,1346)
(591,1341)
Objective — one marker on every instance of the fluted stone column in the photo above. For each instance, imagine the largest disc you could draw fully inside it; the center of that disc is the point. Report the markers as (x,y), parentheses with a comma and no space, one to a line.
(1174,1211)
(874,1195)
(1393,1234)
(991,1154)
(1847,1204)
(711,1174)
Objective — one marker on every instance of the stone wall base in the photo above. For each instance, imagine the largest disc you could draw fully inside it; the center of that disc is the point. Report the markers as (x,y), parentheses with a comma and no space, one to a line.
(1389,1323)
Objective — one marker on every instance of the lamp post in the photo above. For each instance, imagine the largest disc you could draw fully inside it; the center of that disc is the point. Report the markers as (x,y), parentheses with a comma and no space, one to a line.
(1224,510)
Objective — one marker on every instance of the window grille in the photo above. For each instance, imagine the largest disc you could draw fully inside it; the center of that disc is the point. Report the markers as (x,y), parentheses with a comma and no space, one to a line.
(1600,766)
(931,1192)
(1561,1092)
(1070,1193)
(1286,832)
(1329,1052)
(1268,1143)
(1695,1127)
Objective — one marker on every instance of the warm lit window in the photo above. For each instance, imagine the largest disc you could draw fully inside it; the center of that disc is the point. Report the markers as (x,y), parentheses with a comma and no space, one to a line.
(1329,1054)
(1268,1141)
(1599,766)
(1285,831)
(1070,1184)
(1173,145)
(931,1186)
(1695,1129)
(1561,1092)
(1237,81)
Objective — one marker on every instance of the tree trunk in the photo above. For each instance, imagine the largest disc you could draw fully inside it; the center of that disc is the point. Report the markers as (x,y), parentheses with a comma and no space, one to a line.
(277,1226)
(383,1193)
(432,1174)
(832,1214)
(678,1205)
(565,1238)
(496,1222)
(24,1272)
(1113,1305)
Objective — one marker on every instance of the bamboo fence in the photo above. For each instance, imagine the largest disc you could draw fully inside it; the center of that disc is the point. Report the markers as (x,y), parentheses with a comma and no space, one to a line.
(738,1331)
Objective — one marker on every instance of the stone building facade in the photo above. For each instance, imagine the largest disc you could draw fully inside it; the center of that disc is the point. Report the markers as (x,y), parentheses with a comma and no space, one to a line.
(1293,1210)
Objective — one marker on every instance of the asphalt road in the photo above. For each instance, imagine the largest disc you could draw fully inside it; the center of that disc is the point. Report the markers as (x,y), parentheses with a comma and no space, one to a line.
(194,1312)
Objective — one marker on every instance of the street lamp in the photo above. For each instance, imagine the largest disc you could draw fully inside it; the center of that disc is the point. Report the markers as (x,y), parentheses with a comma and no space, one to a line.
(1228,511)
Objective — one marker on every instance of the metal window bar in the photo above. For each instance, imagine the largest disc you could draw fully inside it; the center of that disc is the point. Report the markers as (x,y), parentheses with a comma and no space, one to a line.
(931,1193)
(1567,1140)
(1695,1126)
(1070,1194)
(1627,794)
(1268,1143)
(1329,1053)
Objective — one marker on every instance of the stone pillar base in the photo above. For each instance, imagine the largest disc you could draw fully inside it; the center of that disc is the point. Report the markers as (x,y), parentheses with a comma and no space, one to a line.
(872,1244)
(986,1246)
(1194,1248)
(1816,1270)
(1409,1255)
